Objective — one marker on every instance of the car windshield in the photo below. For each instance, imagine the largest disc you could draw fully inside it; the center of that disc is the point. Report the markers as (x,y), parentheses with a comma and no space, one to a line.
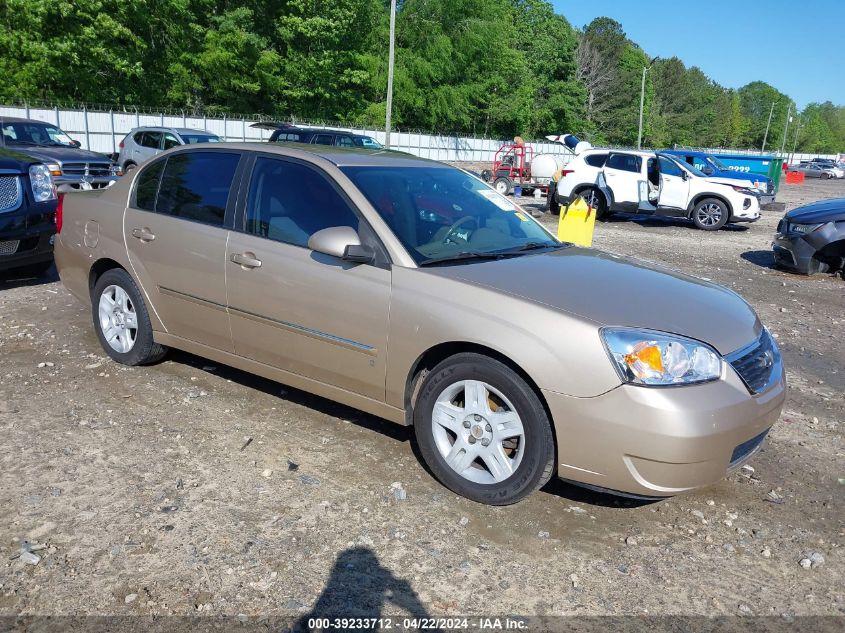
(33,133)
(717,163)
(443,214)
(191,139)
(368,142)
(686,166)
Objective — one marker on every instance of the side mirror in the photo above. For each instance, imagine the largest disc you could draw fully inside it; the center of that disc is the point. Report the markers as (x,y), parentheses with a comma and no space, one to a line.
(684,175)
(76,144)
(709,171)
(341,242)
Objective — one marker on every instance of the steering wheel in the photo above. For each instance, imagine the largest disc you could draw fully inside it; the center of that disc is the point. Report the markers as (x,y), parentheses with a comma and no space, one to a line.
(457,225)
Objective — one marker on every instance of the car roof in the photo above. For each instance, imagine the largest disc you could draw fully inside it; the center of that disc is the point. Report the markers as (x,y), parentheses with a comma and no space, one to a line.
(178,130)
(13,119)
(339,156)
(635,152)
(320,130)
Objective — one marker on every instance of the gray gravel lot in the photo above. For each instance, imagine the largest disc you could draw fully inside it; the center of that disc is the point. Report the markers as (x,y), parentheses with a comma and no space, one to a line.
(192,488)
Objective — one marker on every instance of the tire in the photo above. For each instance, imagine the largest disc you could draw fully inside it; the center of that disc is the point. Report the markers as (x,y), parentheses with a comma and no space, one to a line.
(503,185)
(486,175)
(129,167)
(128,307)
(596,200)
(710,214)
(514,462)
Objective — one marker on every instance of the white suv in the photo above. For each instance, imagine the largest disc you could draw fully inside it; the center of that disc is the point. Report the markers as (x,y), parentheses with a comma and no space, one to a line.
(649,183)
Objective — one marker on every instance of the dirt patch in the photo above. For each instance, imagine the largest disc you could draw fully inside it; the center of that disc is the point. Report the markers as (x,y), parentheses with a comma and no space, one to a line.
(149,497)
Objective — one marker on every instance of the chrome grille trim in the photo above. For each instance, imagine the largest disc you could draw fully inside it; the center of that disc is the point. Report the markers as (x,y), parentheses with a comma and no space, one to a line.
(87,169)
(11,193)
(757,364)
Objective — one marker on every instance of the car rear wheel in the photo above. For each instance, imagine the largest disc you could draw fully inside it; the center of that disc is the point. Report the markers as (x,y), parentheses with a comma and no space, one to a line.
(129,167)
(121,320)
(710,214)
(483,431)
(595,199)
(552,204)
(503,185)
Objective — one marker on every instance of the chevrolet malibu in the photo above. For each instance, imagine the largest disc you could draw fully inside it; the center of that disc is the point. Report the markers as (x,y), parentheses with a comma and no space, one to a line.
(514,356)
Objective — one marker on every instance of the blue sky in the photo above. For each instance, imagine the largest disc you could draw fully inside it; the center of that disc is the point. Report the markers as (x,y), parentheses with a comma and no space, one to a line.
(737,42)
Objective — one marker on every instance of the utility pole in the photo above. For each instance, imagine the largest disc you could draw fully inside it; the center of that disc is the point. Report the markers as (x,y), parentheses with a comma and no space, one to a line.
(390,74)
(786,127)
(795,143)
(642,102)
(766,136)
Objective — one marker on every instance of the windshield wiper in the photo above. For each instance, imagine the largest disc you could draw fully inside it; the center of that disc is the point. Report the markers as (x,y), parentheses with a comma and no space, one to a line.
(463,255)
(531,246)
(20,142)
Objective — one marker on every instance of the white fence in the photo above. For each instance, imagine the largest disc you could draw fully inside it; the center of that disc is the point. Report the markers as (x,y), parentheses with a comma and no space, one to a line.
(103,131)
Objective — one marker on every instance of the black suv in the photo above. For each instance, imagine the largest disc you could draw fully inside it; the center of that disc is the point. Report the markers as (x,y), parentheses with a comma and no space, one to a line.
(27,214)
(811,239)
(70,166)
(287,133)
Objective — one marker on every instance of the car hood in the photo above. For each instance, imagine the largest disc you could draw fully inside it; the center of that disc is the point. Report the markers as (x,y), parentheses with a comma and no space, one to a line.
(822,211)
(14,160)
(60,154)
(611,290)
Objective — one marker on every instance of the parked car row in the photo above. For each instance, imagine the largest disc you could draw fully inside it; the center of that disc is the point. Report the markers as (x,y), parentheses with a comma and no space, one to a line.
(819,169)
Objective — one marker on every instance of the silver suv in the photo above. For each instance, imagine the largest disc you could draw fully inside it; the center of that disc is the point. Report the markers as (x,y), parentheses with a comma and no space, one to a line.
(142,143)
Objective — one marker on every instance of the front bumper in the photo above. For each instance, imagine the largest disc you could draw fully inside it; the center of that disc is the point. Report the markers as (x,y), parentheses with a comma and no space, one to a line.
(657,442)
(67,182)
(30,249)
(793,252)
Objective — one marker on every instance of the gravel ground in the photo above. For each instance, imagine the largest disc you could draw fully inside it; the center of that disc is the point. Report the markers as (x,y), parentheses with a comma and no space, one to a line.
(190,488)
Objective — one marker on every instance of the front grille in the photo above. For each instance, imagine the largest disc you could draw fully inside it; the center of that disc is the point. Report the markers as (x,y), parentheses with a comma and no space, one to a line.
(755,363)
(86,169)
(9,247)
(10,193)
(770,187)
(746,448)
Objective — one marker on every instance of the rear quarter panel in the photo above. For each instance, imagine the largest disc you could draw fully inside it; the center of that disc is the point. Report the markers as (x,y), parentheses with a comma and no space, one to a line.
(92,229)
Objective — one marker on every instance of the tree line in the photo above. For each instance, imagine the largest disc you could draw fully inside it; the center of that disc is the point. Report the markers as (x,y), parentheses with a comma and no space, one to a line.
(491,67)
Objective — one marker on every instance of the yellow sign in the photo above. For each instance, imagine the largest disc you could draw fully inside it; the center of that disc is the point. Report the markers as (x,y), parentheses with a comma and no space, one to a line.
(577,221)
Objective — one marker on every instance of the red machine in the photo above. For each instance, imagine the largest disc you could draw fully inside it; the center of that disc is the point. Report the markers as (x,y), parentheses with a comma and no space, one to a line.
(512,167)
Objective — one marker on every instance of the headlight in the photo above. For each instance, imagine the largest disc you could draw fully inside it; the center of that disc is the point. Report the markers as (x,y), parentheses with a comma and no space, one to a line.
(643,357)
(42,183)
(804,228)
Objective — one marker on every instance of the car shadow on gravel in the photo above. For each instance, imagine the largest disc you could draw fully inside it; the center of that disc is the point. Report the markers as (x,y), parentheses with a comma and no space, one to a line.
(395,432)
(652,221)
(764,259)
(10,279)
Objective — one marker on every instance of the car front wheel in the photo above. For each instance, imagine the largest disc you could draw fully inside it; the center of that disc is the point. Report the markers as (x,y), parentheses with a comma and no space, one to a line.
(483,431)
(710,214)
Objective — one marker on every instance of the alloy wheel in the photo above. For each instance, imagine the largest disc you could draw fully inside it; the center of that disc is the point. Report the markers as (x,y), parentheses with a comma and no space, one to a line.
(118,319)
(478,432)
(709,214)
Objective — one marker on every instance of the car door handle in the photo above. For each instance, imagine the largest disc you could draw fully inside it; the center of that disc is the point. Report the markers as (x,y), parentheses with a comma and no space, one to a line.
(145,235)
(247,260)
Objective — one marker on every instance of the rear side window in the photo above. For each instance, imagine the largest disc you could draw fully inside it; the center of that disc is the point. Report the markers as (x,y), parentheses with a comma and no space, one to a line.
(625,162)
(596,160)
(289,202)
(195,186)
(323,139)
(147,187)
(151,139)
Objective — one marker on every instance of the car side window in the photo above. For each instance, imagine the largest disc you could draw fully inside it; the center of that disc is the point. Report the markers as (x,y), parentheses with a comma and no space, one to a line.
(138,137)
(195,186)
(596,160)
(323,139)
(289,202)
(151,139)
(668,167)
(147,187)
(342,140)
(170,141)
(625,162)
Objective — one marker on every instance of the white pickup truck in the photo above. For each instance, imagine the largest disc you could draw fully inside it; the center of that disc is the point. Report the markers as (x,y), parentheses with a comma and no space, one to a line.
(652,183)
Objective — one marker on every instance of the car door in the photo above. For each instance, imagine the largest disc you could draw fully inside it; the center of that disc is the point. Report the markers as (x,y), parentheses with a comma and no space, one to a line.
(674,185)
(297,310)
(622,173)
(175,228)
